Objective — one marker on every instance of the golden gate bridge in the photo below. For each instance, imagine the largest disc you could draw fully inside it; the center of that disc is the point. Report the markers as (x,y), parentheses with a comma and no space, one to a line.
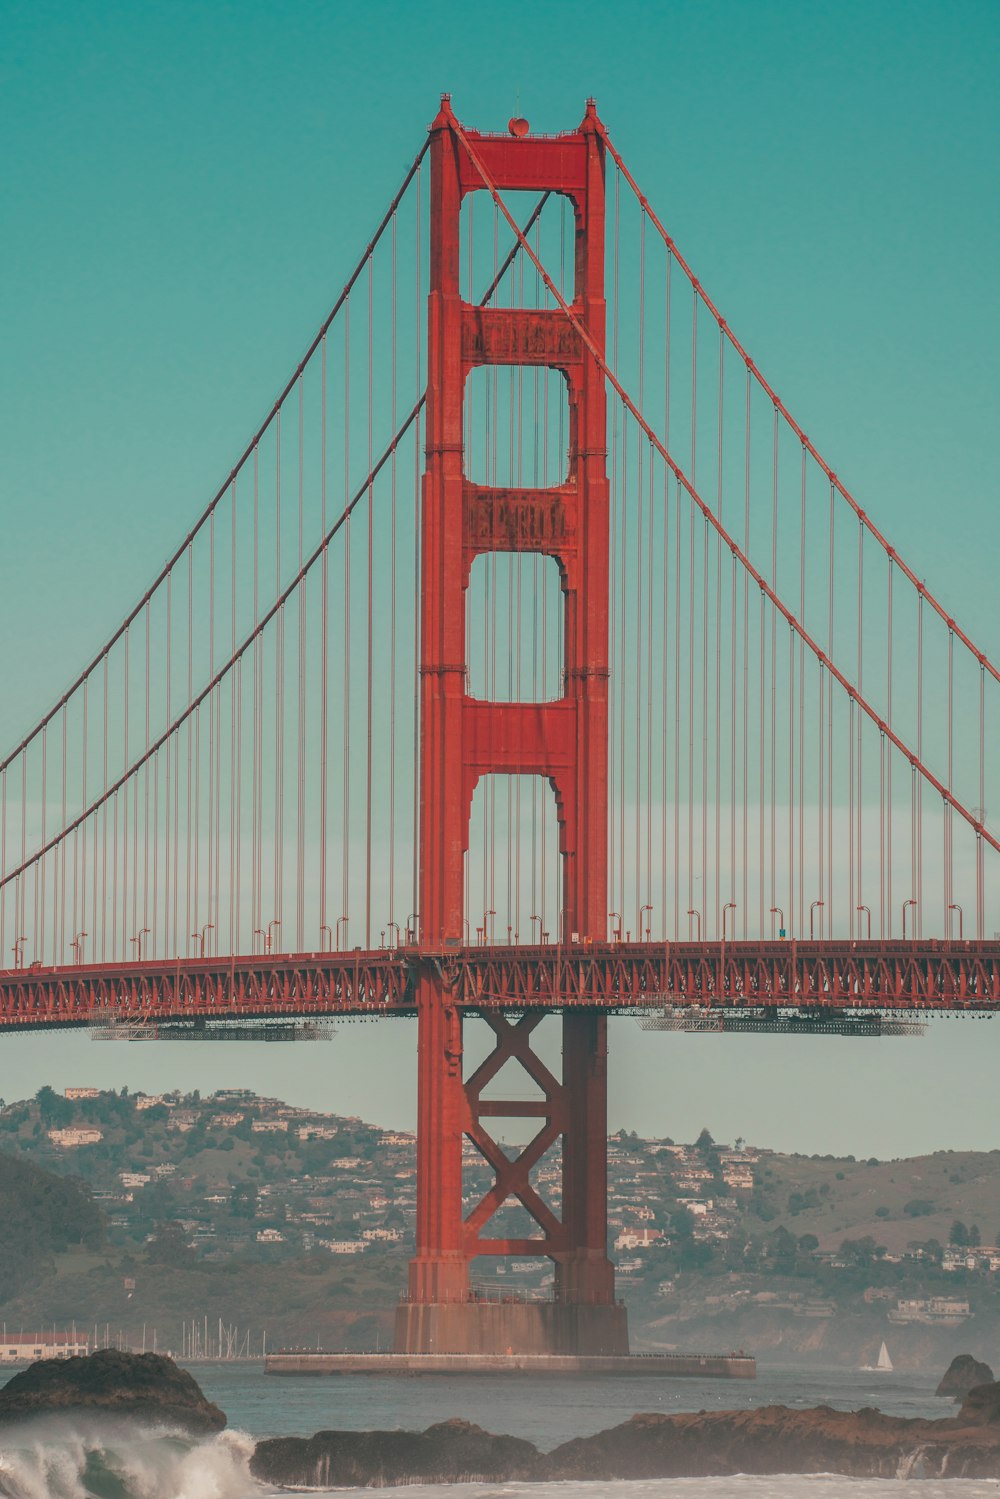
(530,660)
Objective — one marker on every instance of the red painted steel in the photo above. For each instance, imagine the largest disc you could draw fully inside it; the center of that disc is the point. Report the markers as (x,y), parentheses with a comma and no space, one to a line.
(614,978)
(463,739)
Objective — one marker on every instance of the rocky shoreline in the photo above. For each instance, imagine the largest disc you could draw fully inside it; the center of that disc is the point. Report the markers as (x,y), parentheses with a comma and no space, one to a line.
(770,1440)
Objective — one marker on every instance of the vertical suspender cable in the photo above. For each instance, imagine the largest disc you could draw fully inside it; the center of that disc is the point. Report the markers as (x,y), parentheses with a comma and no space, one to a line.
(324,662)
(370,637)
(302,784)
(345,824)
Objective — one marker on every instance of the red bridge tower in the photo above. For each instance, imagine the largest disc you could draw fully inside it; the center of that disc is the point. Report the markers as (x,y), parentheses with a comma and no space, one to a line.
(463,738)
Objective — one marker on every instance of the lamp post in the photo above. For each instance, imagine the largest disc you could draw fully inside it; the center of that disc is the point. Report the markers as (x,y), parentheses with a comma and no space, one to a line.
(905,904)
(693,912)
(258,931)
(411,928)
(777,911)
(812,910)
(533,919)
(137,940)
(639,931)
(198,937)
(77,946)
(323,940)
(341,921)
(275,921)
(487,930)
(729,906)
(959,910)
(867,911)
(17,951)
(393,926)
(616,931)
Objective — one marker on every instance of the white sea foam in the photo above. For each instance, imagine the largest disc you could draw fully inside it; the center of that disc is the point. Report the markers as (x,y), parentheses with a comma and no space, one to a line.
(72,1458)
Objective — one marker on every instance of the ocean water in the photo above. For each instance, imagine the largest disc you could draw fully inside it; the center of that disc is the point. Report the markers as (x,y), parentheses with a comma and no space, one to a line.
(75,1459)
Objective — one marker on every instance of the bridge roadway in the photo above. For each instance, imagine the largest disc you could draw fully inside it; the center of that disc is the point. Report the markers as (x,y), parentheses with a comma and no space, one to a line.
(621,978)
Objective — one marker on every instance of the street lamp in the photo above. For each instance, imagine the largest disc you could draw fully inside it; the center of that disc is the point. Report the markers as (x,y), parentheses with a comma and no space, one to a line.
(693,912)
(275,921)
(18,954)
(77,946)
(137,943)
(777,911)
(539,920)
(341,919)
(905,904)
(391,926)
(199,937)
(259,932)
(487,933)
(959,910)
(812,909)
(411,928)
(868,913)
(616,931)
(639,932)
(729,906)
(328,938)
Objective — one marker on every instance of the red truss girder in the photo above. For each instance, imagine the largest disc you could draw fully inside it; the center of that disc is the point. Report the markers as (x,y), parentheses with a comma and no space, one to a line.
(207,988)
(512,1178)
(612,977)
(630,977)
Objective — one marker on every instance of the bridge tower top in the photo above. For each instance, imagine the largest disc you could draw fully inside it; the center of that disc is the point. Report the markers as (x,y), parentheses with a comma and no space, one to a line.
(464,738)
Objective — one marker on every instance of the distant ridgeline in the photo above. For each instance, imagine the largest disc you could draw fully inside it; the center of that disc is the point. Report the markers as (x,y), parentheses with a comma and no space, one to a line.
(151,1203)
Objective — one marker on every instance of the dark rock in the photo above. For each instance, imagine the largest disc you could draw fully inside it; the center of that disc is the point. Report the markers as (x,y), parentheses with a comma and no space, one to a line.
(775,1439)
(145,1385)
(963,1374)
(450,1452)
(981,1406)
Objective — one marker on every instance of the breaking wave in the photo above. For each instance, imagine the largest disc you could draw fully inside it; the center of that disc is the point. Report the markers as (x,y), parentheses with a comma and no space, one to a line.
(64,1457)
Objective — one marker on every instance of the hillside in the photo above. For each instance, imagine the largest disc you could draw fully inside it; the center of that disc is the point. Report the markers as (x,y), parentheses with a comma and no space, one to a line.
(278,1219)
(42,1215)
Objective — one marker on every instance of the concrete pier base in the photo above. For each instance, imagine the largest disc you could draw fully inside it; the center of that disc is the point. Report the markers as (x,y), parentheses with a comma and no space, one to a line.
(515,1327)
(641,1365)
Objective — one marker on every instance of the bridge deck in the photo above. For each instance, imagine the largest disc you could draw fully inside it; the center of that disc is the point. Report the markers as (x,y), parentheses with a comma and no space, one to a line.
(620,978)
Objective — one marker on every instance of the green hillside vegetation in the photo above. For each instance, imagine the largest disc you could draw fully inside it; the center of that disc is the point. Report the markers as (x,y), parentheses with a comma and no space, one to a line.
(268,1216)
(896,1202)
(42,1215)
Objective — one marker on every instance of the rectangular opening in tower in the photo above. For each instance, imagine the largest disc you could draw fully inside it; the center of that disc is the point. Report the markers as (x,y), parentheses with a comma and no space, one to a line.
(513,868)
(514,625)
(516,427)
(495,271)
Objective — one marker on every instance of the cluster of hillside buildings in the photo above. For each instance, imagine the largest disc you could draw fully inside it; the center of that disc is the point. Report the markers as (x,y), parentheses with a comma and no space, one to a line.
(363,1197)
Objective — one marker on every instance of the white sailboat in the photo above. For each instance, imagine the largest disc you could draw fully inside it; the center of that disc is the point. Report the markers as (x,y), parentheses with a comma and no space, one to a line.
(883,1364)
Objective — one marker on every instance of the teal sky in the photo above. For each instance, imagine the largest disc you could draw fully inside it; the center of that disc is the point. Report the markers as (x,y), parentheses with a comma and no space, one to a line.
(185,187)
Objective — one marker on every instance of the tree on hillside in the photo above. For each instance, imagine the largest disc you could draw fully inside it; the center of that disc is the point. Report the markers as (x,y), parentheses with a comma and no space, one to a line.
(169,1247)
(54,1110)
(958,1234)
(704,1141)
(243,1200)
